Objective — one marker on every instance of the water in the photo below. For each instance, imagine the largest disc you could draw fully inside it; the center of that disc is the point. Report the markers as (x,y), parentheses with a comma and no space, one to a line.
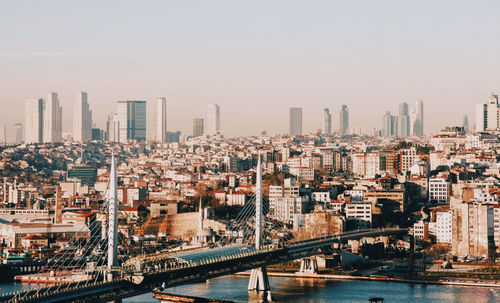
(311,290)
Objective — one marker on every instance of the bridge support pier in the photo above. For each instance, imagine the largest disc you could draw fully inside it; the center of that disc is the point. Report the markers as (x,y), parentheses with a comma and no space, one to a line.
(308,266)
(259,281)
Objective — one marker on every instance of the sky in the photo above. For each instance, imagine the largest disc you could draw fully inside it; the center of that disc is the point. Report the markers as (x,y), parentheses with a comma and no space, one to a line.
(253,58)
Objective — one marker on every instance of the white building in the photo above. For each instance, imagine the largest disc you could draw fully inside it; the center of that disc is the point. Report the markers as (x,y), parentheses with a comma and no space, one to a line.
(360,213)
(160,123)
(112,128)
(407,158)
(285,208)
(444,226)
(213,118)
(487,114)
(82,119)
(33,115)
(420,229)
(439,190)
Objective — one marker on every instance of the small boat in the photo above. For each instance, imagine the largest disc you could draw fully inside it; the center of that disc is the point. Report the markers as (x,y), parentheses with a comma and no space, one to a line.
(376,300)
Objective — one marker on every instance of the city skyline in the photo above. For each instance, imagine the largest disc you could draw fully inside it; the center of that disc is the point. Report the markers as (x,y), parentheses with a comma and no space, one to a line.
(249,65)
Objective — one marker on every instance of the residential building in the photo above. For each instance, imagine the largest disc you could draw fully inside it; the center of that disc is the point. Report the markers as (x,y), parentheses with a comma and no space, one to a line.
(439,190)
(444,226)
(358,214)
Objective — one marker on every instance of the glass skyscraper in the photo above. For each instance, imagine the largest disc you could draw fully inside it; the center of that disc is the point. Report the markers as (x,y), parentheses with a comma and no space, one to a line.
(131,120)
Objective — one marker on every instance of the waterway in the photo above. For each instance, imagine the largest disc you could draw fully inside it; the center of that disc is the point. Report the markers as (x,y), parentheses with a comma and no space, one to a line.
(316,290)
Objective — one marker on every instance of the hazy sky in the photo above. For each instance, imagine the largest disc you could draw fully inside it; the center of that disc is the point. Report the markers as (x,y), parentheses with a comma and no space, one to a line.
(255,58)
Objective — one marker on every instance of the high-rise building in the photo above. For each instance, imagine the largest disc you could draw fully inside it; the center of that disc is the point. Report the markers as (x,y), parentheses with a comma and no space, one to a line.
(82,119)
(3,134)
(465,123)
(160,125)
(132,120)
(327,122)
(295,121)
(197,127)
(112,128)
(33,115)
(403,121)
(487,114)
(18,132)
(213,118)
(344,120)
(417,119)
(389,125)
(52,119)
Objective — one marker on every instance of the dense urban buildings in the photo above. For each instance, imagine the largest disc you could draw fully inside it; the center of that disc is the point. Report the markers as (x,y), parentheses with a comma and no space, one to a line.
(131,120)
(295,121)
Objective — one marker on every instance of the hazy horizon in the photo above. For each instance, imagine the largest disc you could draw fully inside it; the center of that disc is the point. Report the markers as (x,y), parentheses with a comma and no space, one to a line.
(254,59)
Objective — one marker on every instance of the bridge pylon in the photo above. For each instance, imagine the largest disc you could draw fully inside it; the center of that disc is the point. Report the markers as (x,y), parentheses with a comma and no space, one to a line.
(259,280)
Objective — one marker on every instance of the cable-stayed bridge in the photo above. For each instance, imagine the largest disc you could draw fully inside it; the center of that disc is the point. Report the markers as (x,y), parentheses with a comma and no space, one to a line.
(111,274)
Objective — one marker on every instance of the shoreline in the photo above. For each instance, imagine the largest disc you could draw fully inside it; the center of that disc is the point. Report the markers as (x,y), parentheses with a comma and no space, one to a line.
(373,278)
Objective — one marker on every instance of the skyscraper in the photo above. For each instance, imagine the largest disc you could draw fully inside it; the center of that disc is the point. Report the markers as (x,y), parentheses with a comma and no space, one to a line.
(465,123)
(3,134)
(344,120)
(388,125)
(131,120)
(197,127)
(18,133)
(327,122)
(213,118)
(417,119)
(33,121)
(160,125)
(295,121)
(403,121)
(112,128)
(487,114)
(82,119)
(52,119)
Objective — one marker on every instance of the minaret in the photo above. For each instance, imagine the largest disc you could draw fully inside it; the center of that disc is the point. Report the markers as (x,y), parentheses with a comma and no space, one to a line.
(200,218)
(112,220)
(4,190)
(58,218)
